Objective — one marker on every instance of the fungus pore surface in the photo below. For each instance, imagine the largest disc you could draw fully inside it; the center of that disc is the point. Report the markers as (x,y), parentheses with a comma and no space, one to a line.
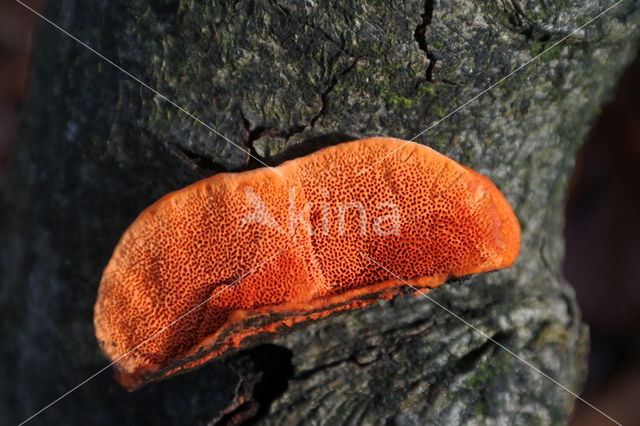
(241,254)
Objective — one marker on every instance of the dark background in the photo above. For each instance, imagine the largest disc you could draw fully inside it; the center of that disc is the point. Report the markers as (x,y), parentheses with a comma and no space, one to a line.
(602,221)
(602,261)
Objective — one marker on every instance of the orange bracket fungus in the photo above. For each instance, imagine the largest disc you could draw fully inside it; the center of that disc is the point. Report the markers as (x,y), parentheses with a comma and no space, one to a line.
(240,254)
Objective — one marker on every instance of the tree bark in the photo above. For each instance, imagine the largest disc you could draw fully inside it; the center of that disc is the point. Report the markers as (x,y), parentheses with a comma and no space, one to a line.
(279,78)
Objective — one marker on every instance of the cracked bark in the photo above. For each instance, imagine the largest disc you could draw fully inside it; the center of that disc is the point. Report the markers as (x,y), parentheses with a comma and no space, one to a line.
(281,79)
(255,133)
(420,36)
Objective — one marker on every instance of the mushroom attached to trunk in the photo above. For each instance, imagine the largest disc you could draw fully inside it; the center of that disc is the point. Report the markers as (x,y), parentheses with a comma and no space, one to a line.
(241,254)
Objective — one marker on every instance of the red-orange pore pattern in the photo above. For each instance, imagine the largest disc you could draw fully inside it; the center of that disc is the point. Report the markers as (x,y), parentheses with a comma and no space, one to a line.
(292,246)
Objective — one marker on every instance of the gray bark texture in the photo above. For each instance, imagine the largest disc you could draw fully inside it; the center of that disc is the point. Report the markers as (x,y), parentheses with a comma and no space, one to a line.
(279,78)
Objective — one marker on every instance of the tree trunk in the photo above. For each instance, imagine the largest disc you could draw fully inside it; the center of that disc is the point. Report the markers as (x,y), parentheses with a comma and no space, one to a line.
(278,78)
